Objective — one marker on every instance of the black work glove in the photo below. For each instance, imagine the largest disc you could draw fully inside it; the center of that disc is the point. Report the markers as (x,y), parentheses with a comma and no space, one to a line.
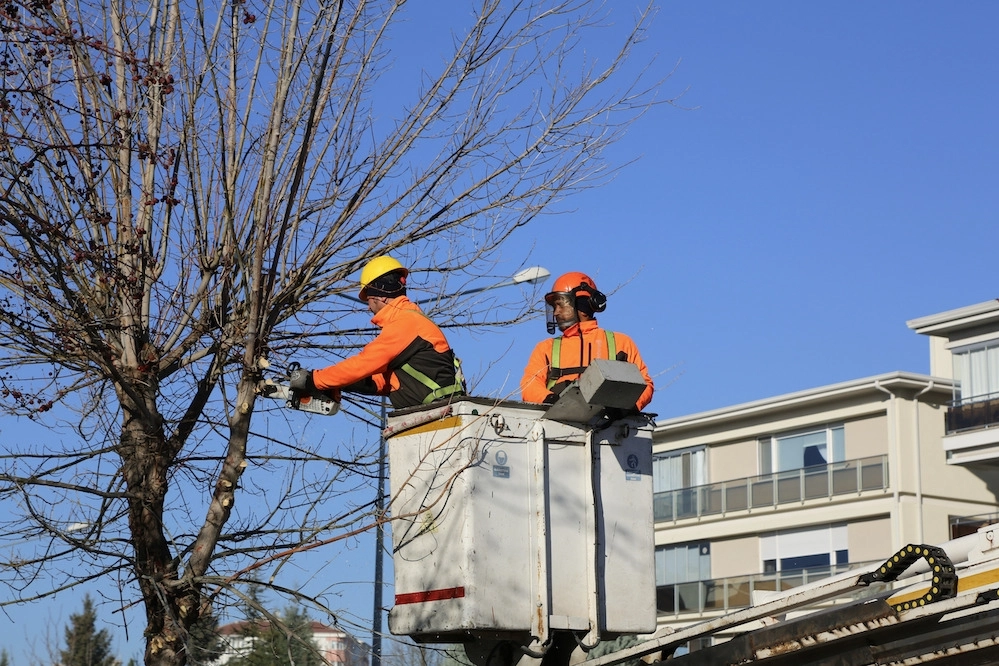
(556,392)
(301,380)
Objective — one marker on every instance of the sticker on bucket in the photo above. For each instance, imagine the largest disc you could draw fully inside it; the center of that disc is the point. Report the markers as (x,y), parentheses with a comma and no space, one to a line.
(632,473)
(500,469)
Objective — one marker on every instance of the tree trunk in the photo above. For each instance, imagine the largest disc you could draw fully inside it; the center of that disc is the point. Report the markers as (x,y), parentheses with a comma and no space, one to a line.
(146,459)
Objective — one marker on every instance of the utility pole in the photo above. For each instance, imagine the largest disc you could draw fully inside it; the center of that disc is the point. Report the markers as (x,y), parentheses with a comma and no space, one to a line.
(376,624)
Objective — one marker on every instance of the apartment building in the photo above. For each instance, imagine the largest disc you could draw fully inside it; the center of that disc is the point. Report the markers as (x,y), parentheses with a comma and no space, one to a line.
(335,646)
(964,347)
(778,492)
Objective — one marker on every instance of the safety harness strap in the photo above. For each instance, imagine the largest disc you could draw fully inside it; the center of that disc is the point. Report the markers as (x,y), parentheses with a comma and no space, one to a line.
(436,390)
(555,372)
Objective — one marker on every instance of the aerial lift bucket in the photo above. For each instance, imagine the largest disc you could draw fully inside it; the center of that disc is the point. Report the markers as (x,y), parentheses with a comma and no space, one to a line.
(515,523)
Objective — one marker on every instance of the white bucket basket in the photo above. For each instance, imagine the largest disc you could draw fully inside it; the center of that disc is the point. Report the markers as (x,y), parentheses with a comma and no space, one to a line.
(506,523)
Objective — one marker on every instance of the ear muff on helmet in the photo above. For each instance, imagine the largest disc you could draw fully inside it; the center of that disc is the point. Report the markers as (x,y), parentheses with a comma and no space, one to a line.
(389,285)
(596,300)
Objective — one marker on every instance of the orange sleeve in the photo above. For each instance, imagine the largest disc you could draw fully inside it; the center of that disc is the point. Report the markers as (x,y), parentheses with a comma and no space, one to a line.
(534,383)
(372,361)
(627,345)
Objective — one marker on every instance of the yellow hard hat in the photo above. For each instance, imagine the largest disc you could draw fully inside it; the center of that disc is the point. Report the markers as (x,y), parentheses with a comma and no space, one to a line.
(376,268)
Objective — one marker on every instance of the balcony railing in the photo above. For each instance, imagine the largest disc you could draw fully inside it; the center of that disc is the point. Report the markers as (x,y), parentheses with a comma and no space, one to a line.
(977,412)
(724,594)
(771,490)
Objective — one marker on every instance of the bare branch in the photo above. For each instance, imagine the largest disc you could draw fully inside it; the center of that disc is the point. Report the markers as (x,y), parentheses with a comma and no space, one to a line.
(184,191)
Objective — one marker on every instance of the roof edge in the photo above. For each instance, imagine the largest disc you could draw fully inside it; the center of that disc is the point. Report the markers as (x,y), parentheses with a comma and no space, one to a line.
(888,381)
(956,319)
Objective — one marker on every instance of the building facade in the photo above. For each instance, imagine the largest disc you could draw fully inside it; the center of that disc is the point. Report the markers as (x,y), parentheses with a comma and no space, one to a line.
(779,492)
(336,646)
(964,347)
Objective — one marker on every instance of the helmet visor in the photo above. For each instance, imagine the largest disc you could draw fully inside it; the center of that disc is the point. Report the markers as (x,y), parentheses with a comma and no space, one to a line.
(563,298)
(561,309)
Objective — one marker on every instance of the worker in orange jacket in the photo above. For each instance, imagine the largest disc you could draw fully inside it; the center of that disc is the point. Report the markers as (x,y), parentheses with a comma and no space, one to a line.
(410,360)
(555,363)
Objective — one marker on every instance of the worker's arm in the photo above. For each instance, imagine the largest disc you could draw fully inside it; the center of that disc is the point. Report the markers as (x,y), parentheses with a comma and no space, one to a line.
(628,346)
(534,383)
(371,363)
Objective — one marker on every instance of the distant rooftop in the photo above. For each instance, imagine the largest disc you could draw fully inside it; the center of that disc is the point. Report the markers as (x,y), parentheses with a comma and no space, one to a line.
(945,323)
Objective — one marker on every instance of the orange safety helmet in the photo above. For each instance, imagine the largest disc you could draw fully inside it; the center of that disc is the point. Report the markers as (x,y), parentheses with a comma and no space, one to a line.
(582,292)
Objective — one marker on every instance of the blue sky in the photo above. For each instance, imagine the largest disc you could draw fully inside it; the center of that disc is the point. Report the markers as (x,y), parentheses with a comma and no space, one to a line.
(833,174)
(833,177)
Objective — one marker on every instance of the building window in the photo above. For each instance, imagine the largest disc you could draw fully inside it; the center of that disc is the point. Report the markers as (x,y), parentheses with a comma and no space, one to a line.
(814,550)
(683,563)
(964,525)
(680,569)
(977,371)
(782,453)
(674,475)
(679,469)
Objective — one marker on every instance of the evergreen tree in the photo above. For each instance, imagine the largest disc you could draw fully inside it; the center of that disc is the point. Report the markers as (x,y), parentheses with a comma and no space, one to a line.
(204,645)
(4,658)
(289,644)
(85,645)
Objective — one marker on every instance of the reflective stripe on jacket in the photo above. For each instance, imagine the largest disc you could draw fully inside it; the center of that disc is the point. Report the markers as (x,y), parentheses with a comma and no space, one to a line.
(578,345)
(410,360)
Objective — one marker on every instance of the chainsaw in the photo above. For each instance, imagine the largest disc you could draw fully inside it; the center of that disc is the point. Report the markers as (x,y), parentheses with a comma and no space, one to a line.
(316,402)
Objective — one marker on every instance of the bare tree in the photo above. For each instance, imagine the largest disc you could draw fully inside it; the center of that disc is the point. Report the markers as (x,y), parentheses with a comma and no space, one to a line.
(185,188)
(406,653)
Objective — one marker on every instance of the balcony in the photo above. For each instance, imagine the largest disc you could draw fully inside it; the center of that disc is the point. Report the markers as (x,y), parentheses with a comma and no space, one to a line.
(972,436)
(771,490)
(977,412)
(725,594)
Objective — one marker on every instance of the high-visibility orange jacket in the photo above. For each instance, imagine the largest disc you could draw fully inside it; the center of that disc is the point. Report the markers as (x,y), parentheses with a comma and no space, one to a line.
(410,360)
(579,344)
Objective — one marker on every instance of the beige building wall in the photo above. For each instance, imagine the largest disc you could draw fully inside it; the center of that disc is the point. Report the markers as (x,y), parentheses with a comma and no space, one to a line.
(924,492)
(865,437)
(735,460)
(936,515)
(941,362)
(936,478)
(869,540)
(729,556)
